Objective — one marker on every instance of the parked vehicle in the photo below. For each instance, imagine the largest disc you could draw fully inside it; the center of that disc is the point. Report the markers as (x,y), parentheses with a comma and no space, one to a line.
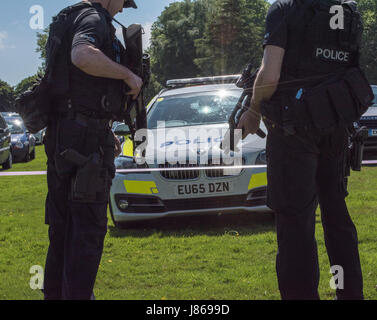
(369,120)
(188,188)
(6,158)
(22,141)
(39,136)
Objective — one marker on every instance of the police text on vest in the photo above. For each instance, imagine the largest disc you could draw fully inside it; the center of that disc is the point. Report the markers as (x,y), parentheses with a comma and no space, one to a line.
(333,55)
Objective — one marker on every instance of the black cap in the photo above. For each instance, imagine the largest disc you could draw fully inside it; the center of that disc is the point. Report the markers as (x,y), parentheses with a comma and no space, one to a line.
(130,4)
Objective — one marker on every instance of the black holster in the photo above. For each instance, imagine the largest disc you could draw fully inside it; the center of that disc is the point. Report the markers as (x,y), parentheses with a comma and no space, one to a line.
(84,154)
(90,183)
(357,141)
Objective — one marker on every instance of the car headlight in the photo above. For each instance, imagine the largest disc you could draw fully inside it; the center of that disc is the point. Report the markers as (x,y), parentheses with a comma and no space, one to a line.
(124,163)
(261,158)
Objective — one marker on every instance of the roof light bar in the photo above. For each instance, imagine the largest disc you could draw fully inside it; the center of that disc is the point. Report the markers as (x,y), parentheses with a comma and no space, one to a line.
(202,81)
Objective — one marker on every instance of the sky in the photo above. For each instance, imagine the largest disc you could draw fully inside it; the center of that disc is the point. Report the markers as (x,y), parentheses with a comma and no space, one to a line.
(18,58)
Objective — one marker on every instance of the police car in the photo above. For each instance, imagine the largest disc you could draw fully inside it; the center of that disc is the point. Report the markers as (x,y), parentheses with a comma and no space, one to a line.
(369,119)
(185,172)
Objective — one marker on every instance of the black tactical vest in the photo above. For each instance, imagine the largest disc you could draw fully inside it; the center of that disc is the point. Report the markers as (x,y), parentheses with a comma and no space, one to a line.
(71,86)
(318,43)
(87,92)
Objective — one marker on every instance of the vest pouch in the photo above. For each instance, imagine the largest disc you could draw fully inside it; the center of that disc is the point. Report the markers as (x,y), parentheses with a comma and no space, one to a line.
(346,107)
(319,108)
(34,106)
(361,90)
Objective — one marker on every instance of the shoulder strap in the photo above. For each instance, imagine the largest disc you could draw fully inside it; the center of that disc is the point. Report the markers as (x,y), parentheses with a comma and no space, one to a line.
(76,7)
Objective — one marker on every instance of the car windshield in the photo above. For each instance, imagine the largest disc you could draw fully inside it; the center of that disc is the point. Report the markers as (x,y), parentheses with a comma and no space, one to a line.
(16,126)
(194,108)
(375,97)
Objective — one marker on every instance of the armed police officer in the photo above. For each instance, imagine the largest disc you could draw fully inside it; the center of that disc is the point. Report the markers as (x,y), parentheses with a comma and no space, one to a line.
(86,73)
(309,90)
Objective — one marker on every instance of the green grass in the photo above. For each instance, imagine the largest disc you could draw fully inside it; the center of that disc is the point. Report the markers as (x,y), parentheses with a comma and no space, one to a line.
(213,257)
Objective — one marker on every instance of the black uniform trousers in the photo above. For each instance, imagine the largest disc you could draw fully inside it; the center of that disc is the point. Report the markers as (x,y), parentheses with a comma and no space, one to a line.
(304,169)
(76,231)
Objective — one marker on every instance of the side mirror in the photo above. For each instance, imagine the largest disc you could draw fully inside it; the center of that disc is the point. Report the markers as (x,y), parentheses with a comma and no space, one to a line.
(122,130)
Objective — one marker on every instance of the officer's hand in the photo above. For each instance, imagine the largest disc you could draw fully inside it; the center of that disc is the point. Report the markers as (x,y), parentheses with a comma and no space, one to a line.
(249,123)
(118,146)
(135,83)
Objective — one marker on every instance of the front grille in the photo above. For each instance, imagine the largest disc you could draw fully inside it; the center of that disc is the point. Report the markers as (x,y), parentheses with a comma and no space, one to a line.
(218,173)
(370,124)
(211,172)
(371,142)
(205,203)
(179,174)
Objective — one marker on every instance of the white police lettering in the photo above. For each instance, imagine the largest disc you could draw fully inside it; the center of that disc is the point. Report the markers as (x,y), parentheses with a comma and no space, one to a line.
(37,20)
(333,55)
(175,144)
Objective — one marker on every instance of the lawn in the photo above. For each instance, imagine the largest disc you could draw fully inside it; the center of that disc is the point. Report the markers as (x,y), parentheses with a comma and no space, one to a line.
(214,257)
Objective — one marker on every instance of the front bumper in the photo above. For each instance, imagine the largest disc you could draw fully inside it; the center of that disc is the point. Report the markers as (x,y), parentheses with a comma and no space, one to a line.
(19,153)
(152,196)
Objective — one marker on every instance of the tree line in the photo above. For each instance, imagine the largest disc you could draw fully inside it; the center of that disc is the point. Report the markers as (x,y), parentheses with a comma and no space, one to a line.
(195,38)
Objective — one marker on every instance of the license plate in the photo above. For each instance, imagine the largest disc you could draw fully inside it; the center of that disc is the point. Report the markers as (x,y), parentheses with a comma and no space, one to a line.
(194,189)
(372,132)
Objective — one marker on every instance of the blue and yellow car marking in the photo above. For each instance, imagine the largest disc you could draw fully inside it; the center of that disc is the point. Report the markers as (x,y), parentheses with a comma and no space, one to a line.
(128,147)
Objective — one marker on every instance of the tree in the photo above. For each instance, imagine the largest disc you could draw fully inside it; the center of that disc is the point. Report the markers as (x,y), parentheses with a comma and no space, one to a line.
(368,8)
(173,40)
(24,85)
(233,36)
(41,45)
(6,97)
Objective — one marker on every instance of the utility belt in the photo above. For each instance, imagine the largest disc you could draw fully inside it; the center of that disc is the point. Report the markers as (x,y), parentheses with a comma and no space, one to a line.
(84,153)
(336,102)
(67,108)
(85,119)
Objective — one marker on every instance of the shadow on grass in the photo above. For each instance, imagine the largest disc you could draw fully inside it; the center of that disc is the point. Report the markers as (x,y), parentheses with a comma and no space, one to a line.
(210,225)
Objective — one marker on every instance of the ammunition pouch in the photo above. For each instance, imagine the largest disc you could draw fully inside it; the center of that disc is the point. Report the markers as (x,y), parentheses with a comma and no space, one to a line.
(336,102)
(34,106)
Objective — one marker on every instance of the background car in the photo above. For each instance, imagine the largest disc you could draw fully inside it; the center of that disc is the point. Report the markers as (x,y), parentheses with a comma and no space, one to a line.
(369,119)
(204,188)
(6,159)
(39,136)
(116,124)
(10,114)
(22,141)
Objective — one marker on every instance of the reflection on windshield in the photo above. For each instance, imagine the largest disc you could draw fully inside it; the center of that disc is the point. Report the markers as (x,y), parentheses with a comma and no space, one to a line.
(194,108)
(16,126)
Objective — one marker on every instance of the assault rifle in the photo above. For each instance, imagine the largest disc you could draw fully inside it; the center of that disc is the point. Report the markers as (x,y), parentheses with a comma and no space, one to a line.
(134,113)
(246,82)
